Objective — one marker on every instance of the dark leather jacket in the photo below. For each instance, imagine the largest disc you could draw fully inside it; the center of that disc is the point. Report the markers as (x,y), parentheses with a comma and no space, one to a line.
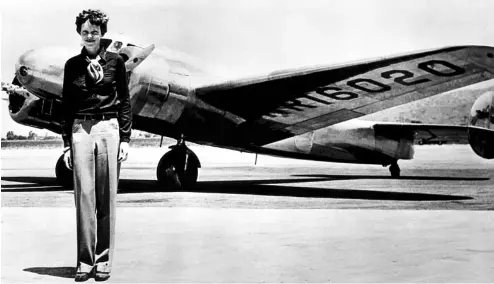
(80,95)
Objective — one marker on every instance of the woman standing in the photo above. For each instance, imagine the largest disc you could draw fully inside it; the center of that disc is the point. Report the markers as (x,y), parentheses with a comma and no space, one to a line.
(96,128)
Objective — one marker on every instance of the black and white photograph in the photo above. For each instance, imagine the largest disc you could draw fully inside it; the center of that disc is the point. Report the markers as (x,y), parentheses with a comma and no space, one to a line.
(247,141)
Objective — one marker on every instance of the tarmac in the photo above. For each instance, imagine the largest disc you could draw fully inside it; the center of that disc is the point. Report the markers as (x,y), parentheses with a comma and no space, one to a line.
(278,221)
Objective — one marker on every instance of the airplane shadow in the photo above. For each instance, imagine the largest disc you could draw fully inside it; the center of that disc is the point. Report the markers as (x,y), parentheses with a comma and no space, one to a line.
(268,189)
(341,177)
(32,184)
(273,187)
(64,272)
(41,184)
(265,187)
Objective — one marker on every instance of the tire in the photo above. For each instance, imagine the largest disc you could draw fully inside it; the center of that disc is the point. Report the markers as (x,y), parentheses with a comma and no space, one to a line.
(167,175)
(64,175)
(394,169)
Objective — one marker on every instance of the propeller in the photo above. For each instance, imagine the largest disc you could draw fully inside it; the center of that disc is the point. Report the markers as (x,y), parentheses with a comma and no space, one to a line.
(4,89)
(137,59)
(11,88)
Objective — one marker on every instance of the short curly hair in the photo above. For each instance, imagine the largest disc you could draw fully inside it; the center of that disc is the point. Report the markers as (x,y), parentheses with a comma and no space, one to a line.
(96,17)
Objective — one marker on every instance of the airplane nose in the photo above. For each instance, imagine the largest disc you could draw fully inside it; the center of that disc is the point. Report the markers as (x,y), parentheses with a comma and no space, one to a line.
(40,70)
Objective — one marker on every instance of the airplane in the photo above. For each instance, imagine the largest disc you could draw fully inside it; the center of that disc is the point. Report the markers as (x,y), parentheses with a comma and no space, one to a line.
(314,113)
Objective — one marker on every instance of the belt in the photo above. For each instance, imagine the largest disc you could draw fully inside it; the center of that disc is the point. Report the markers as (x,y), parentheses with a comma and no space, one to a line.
(97,116)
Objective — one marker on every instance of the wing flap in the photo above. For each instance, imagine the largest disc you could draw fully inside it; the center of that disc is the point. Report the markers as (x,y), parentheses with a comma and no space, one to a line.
(424,133)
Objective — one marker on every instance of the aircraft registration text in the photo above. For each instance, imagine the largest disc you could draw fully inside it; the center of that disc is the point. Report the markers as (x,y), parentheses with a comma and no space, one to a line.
(354,88)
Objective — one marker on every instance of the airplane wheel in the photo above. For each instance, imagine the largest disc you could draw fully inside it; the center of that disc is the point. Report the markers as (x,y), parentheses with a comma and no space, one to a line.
(64,175)
(171,177)
(394,169)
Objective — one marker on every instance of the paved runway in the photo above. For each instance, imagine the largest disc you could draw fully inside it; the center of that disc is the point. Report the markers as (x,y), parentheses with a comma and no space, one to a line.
(440,177)
(246,223)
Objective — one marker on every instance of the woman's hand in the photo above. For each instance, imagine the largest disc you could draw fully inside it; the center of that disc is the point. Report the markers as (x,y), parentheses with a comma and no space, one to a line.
(123,152)
(67,158)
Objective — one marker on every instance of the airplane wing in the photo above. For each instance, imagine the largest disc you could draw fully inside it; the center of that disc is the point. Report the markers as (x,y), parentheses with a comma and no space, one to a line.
(292,102)
(479,138)
(423,133)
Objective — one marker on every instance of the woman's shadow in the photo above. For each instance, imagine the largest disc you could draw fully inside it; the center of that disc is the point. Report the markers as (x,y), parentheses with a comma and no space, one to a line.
(64,272)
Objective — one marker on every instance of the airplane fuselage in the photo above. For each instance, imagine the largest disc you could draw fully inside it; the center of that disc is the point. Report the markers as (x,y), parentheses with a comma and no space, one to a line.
(164,102)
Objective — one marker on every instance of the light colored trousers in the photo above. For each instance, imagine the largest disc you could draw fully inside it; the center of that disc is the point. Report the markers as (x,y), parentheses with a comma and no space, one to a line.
(95,145)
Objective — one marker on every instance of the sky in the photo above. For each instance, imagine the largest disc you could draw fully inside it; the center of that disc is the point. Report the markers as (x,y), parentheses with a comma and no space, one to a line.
(244,37)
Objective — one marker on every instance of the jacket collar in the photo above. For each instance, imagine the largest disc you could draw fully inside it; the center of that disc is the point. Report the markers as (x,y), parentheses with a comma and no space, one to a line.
(101,53)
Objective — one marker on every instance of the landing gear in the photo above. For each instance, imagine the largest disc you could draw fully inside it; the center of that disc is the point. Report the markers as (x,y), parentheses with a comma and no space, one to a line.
(64,175)
(178,168)
(394,169)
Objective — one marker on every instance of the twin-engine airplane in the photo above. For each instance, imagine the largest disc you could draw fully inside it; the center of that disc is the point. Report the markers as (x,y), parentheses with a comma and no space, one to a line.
(307,113)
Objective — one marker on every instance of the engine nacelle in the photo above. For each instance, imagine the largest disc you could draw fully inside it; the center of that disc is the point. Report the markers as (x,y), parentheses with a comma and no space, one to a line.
(481,126)
(353,141)
(361,139)
(155,98)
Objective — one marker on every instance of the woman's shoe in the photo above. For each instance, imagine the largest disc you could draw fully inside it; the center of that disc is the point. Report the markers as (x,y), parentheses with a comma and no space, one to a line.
(81,276)
(101,276)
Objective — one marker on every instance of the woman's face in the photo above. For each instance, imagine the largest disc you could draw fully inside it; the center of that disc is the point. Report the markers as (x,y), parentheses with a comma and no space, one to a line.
(91,36)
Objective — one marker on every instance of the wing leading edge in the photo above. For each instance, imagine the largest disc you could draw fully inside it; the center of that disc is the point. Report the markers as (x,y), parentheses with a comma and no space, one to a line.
(293,102)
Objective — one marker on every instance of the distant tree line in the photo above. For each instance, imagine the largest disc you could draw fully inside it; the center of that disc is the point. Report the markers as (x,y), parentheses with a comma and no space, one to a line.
(31,136)
(143,134)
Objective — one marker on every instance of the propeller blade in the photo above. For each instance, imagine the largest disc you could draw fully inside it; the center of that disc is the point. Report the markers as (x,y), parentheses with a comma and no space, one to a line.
(6,86)
(16,82)
(134,61)
(4,91)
